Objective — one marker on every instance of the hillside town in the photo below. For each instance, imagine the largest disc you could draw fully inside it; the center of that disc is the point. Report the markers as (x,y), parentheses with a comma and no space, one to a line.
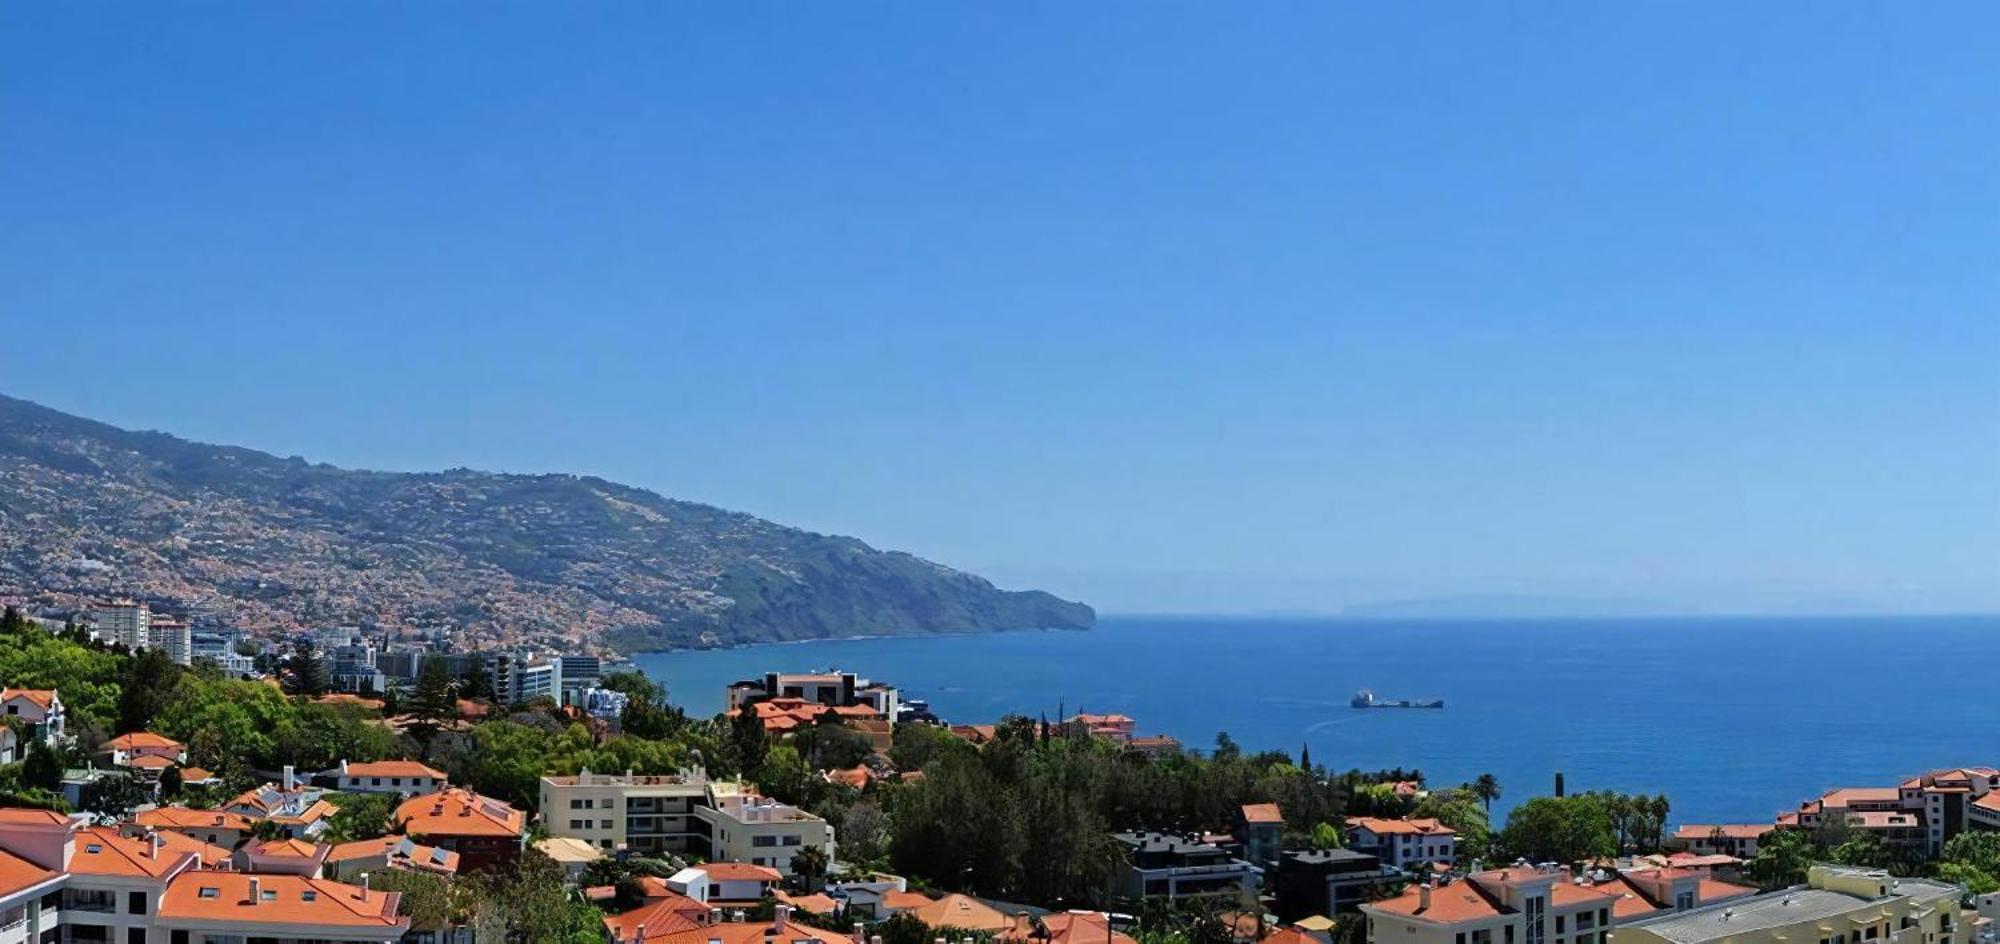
(159,785)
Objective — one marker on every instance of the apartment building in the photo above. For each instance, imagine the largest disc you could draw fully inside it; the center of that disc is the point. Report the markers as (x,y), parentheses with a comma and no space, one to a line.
(522,676)
(646,813)
(1921,813)
(123,623)
(739,825)
(172,637)
(1835,906)
(1260,828)
(1524,904)
(834,689)
(1408,844)
(1169,865)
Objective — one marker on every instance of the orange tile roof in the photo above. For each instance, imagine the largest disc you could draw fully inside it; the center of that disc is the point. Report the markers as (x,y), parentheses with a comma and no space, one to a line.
(43,697)
(398,852)
(180,817)
(284,849)
(739,872)
(661,917)
(141,740)
(1459,901)
(1847,795)
(1070,927)
(818,903)
(857,776)
(393,768)
(195,774)
(18,874)
(23,816)
(1397,827)
(963,913)
(1715,890)
(734,932)
(459,812)
(101,851)
(150,762)
(1694,831)
(180,843)
(1262,813)
(209,898)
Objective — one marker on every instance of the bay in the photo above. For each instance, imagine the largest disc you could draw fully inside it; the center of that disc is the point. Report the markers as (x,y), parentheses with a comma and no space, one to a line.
(1734,719)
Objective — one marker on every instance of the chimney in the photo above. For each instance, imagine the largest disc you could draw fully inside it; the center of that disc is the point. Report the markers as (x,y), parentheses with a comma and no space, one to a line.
(1023,924)
(155,837)
(781,916)
(715,916)
(1424,897)
(289,778)
(639,934)
(736,917)
(343,766)
(256,890)
(364,885)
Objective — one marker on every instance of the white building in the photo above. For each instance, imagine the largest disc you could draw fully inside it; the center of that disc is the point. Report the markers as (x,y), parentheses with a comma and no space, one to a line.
(171,636)
(645,813)
(742,826)
(399,777)
(41,709)
(1408,844)
(523,677)
(124,623)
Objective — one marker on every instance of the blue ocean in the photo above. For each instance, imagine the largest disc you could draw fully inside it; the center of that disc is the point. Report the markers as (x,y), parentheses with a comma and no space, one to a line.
(1734,719)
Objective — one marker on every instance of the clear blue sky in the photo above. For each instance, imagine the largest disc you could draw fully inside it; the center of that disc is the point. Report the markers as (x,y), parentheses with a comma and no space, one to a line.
(1231,306)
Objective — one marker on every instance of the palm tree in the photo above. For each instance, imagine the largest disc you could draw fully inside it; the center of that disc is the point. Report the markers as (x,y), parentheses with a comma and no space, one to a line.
(1487,789)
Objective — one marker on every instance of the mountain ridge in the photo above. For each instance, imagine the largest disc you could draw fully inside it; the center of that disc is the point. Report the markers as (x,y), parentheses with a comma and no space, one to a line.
(247,538)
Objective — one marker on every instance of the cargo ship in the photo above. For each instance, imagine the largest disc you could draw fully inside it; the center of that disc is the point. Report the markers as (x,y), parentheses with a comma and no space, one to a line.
(1366,699)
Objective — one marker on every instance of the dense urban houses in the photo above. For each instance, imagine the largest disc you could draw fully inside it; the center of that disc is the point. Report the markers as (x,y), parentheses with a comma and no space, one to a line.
(647,814)
(1835,906)
(485,832)
(833,689)
(1170,865)
(1408,844)
(400,777)
(62,882)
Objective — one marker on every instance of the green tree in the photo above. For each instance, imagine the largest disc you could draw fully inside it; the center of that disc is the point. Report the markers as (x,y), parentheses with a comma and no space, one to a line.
(144,682)
(304,673)
(1559,829)
(41,768)
(809,864)
(1487,789)
(361,816)
(785,775)
(1783,856)
(1326,836)
(170,782)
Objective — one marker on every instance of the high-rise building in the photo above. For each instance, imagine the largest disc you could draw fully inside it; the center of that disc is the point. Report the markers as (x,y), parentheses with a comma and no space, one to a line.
(172,637)
(124,623)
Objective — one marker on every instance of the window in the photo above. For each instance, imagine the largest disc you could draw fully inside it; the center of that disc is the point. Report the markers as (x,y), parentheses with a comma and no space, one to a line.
(135,936)
(135,903)
(309,896)
(604,824)
(1559,924)
(374,781)
(1536,911)
(208,891)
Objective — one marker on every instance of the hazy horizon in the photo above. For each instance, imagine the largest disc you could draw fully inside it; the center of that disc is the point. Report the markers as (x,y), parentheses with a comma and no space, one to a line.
(1174,309)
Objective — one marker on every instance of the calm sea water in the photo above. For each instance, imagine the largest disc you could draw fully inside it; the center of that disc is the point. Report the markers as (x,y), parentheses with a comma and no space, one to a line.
(1734,719)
